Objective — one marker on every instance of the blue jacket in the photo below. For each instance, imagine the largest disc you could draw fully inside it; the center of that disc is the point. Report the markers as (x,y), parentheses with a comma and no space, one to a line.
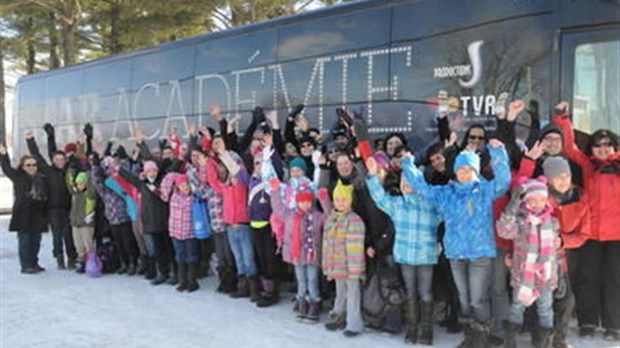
(415,221)
(466,208)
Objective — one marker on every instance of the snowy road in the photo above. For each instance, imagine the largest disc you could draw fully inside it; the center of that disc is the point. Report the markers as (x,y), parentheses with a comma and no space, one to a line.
(64,309)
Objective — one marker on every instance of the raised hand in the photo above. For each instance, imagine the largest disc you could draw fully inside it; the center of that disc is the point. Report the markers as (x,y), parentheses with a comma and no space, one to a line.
(495,143)
(272,118)
(139,134)
(215,111)
(49,129)
(232,122)
(562,106)
(371,165)
(443,105)
(536,151)
(88,130)
(515,108)
(191,129)
(500,105)
(28,134)
(302,123)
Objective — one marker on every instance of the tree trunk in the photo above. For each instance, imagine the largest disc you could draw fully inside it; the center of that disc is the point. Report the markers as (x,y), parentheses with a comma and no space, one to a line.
(54,61)
(68,33)
(2,106)
(115,28)
(31,51)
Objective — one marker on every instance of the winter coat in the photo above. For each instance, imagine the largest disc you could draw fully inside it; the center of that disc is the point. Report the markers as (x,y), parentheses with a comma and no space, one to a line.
(115,206)
(259,207)
(58,195)
(467,208)
(215,201)
(415,221)
(310,232)
(29,213)
(343,254)
(154,211)
(601,187)
(180,220)
(83,203)
(235,195)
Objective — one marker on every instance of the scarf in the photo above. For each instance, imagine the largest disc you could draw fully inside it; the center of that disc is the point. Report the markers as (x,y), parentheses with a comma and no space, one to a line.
(611,165)
(296,240)
(540,254)
(38,189)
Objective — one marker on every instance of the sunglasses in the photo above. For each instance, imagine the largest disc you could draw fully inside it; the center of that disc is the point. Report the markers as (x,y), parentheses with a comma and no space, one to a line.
(474,137)
(605,144)
(30,165)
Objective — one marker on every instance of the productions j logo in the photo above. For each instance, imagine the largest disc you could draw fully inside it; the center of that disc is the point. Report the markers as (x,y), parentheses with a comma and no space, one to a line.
(476,64)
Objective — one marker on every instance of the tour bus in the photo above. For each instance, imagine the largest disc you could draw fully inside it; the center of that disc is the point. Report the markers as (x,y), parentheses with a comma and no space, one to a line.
(386,60)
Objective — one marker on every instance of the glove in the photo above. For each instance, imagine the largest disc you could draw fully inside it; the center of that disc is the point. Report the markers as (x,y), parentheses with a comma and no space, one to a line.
(296,110)
(258,115)
(162,144)
(94,159)
(49,129)
(88,130)
(108,149)
(323,194)
(121,152)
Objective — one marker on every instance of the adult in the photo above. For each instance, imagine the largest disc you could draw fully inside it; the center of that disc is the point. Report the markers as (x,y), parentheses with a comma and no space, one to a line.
(29,214)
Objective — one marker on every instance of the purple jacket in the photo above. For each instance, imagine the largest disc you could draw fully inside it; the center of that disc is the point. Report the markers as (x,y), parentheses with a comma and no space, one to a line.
(115,208)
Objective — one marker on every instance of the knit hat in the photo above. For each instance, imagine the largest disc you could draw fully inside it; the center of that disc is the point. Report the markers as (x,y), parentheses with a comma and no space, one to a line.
(554,166)
(382,160)
(467,158)
(150,165)
(70,147)
(551,128)
(81,178)
(180,179)
(535,187)
(299,163)
(343,191)
(304,195)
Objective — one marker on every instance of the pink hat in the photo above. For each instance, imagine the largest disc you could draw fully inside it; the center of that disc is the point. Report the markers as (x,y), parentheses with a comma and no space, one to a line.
(150,165)
(535,187)
(180,179)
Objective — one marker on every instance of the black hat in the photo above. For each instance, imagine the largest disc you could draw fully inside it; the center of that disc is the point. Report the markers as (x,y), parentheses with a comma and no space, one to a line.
(551,128)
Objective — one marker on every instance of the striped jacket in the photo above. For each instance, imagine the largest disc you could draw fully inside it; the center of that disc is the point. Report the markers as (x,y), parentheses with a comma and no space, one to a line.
(215,201)
(180,220)
(343,246)
(415,221)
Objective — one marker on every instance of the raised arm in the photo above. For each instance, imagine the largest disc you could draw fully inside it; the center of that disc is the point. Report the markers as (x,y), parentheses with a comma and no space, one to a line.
(501,167)
(506,225)
(415,178)
(131,178)
(377,193)
(562,119)
(33,148)
(5,161)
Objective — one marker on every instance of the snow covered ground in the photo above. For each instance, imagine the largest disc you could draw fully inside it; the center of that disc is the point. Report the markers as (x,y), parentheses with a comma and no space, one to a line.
(64,309)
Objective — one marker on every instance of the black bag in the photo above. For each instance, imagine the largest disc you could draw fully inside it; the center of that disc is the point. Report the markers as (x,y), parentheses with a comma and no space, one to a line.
(382,297)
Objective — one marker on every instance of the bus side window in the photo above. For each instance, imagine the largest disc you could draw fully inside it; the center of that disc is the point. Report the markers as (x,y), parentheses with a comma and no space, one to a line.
(596,86)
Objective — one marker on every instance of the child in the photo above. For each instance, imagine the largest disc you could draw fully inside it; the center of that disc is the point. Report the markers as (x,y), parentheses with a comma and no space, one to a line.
(466,204)
(415,249)
(82,215)
(529,222)
(181,229)
(303,229)
(343,259)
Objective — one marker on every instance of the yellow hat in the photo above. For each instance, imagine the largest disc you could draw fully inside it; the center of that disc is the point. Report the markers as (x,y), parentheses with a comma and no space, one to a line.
(343,191)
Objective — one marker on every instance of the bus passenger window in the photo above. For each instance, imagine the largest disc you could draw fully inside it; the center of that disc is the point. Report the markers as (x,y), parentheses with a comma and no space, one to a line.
(596,88)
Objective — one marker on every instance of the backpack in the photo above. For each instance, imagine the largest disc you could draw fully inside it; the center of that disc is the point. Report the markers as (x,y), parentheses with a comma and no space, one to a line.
(200,220)
(93,265)
(108,257)
(382,298)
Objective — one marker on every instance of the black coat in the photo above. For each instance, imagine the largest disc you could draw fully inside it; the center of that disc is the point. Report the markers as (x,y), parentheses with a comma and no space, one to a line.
(59,196)
(28,214)
(154,211)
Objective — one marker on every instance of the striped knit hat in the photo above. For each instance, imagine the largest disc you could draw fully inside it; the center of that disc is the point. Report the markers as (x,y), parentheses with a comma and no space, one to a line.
(535,187)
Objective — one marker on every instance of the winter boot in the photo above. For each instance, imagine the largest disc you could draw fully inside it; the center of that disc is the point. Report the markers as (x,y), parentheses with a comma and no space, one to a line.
(480,335)
(60,261)
(242,288)
(174,280)
(426,323)
(336,322)
(411,317)
(182,274)
(302,308)
(511,330)
(192,283)
(270,295)
(132,267)
(122,269)
(164,273)
(546,338)
(468,332)
(142,264)
(220,274)
(230,281)
(150,269)
(81,268)
(254,289)
(203,269)
(314,311)
(72,263)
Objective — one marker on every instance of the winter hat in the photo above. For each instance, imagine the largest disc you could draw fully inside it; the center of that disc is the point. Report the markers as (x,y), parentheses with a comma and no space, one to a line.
(304,195)
(551,128)
(150,165)
(535,187)
(554,166)
(81,178)
(70,147)
(343,191)
(382,160)
(299,163)
(180,179)
(467,158)
(307,139)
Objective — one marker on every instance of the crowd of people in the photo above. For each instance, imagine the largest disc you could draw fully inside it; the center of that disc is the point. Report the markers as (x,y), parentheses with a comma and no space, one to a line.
(506,232)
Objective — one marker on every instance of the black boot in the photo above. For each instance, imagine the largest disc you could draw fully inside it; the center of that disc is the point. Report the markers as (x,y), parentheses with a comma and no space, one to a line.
(122,269)
(72,262)
(174,280)
(81,268)
(336,322)
(270,295)
(314,311)
(426,323)
(164,273)
(546,338)
(511,330)
(60,261)
(302,308)
(132,267)
(229,281)
(254,289)
(182,274)
(411,317)
(150,271)
(242,288)
(192,283)
(142,264)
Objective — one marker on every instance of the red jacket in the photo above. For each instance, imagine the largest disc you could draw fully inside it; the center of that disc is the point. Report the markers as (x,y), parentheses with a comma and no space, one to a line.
(603,189)
(235,196)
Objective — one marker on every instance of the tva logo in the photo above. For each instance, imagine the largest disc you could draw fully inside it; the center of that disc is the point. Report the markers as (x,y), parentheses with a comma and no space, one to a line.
(474,69)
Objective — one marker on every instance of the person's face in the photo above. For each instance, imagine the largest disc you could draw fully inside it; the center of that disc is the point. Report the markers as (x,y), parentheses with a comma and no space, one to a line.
(156,152)
(476,138)
(465,174)
(222,173)
(167,154)
(343,140)
(561,183)
(30,166)
(552,144)
(151,174)
(342,204)
(304,206)
(314,134)
(306,149)
(256,145)
(344,166)
(603,149)
(405,188)
(332,155)
(218,145)
(184,188)
(195,157)
(392,144)
(81,186)
(380,144)
(59,161)
(258,165)
(537,203)
(296,172)
(291,150)
(438,162)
